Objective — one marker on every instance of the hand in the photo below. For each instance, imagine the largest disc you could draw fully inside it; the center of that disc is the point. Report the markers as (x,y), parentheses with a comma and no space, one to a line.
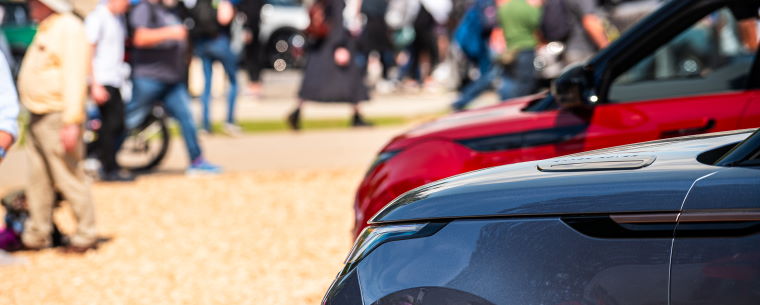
(70,135)
(225,12)
(6,139)
(342,56)
(178,32)
(247,36)
(99,94)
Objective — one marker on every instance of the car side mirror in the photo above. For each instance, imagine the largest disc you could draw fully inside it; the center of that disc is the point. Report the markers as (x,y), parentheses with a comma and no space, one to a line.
(570,89)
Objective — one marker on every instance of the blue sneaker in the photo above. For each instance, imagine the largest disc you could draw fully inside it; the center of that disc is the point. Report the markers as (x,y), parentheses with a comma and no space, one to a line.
(203,167)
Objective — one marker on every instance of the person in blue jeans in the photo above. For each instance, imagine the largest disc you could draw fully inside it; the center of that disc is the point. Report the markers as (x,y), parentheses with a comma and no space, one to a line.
(210,34)
(519,78)
(519,20)
(218,49)
(159,62)
(472,36)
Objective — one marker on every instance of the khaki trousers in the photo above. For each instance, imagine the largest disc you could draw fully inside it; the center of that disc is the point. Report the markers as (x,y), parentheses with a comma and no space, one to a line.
(52,169)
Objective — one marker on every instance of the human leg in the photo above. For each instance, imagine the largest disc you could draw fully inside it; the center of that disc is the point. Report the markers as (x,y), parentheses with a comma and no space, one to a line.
(229,62)
(357,120)
(524,73)
(68,176)
(112,128)
(294,118)
(475,89)
(203,49)
(145,92)
(40,194)
(254,61)
(177,104)
(387,58)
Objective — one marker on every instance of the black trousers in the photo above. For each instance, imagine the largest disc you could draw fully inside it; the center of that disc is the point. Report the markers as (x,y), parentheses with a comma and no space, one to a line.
(112,128)
(253,56)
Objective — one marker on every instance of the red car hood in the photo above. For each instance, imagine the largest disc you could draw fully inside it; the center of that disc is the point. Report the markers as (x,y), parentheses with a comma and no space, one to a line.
(501,118)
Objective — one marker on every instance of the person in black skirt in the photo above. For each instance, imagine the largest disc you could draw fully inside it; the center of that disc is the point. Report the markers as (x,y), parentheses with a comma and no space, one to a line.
(332,73)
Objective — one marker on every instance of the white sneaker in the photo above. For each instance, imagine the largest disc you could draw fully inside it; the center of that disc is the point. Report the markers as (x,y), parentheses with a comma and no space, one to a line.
(232,129)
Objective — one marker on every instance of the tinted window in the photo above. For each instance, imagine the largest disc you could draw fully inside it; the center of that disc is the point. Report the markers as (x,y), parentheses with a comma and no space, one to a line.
(709,57)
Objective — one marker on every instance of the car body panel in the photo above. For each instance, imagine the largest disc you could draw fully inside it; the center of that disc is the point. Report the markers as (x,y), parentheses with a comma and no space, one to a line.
(282,14)
(19,29)
(751,114)
(522,190)
(547,132)
(522,261)
(488,250)
(718,267)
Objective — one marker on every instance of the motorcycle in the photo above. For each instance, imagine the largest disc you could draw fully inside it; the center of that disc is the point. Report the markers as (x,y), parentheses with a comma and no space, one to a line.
(143,148)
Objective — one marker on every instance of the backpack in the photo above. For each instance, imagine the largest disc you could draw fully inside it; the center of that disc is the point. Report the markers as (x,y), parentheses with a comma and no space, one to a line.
(318,26)
(554,21)
(475,27)
(203,17)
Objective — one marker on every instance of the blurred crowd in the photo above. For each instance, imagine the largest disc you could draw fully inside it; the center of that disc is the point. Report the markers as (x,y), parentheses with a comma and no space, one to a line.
(141,49)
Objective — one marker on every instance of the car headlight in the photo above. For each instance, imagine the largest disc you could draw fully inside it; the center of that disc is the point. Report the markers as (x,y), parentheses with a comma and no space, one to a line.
(372,237)
(382,158)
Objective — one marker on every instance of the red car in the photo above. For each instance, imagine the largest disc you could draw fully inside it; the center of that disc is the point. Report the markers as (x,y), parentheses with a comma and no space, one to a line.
(688,68)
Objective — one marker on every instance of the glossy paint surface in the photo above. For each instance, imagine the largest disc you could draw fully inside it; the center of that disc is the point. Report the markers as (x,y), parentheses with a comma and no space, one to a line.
(531,261)
(521,189)
(719,266)
(555,250)
(548,133)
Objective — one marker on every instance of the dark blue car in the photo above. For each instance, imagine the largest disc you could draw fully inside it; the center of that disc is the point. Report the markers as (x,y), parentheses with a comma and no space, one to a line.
(668,222)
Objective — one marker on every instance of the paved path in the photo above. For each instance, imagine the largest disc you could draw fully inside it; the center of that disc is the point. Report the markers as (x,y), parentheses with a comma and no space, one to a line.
(274,151)
(286,150)
(280,92)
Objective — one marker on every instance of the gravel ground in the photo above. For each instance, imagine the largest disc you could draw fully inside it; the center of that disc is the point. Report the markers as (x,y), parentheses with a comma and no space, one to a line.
(264,237)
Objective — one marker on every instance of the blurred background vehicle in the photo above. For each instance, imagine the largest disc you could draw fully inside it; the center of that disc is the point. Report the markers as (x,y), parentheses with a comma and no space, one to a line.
(282,25)
(17,28)
(671,221)
(683,70)
(143,148)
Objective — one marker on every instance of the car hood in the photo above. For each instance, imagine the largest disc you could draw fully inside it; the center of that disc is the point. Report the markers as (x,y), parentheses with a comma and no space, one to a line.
(645,177)
(506,117)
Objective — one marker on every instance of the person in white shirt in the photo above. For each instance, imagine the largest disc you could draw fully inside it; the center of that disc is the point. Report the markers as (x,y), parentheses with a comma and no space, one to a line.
(106,31)
(8,109)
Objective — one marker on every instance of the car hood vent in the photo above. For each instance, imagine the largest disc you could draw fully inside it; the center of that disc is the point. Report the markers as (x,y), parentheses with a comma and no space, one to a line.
(596,163)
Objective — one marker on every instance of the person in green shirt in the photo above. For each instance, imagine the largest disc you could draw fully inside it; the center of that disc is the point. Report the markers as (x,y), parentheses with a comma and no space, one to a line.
(520,20)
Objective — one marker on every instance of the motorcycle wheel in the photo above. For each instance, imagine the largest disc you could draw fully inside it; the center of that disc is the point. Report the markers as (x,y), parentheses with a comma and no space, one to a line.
(145,147)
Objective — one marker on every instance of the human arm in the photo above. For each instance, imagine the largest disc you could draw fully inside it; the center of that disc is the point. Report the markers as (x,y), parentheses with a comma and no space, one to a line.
(586,12)
(98,92)
(146,36)
(595,29)
(9,107)
(748,31)
(93,28)
(75,63)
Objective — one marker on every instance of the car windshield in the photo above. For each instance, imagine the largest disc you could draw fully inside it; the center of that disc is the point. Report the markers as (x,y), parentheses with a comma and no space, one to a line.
(709,57)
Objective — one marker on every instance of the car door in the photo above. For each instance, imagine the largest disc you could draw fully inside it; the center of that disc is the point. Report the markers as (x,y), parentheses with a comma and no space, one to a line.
(696,82)
(751,114)
(716,253)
